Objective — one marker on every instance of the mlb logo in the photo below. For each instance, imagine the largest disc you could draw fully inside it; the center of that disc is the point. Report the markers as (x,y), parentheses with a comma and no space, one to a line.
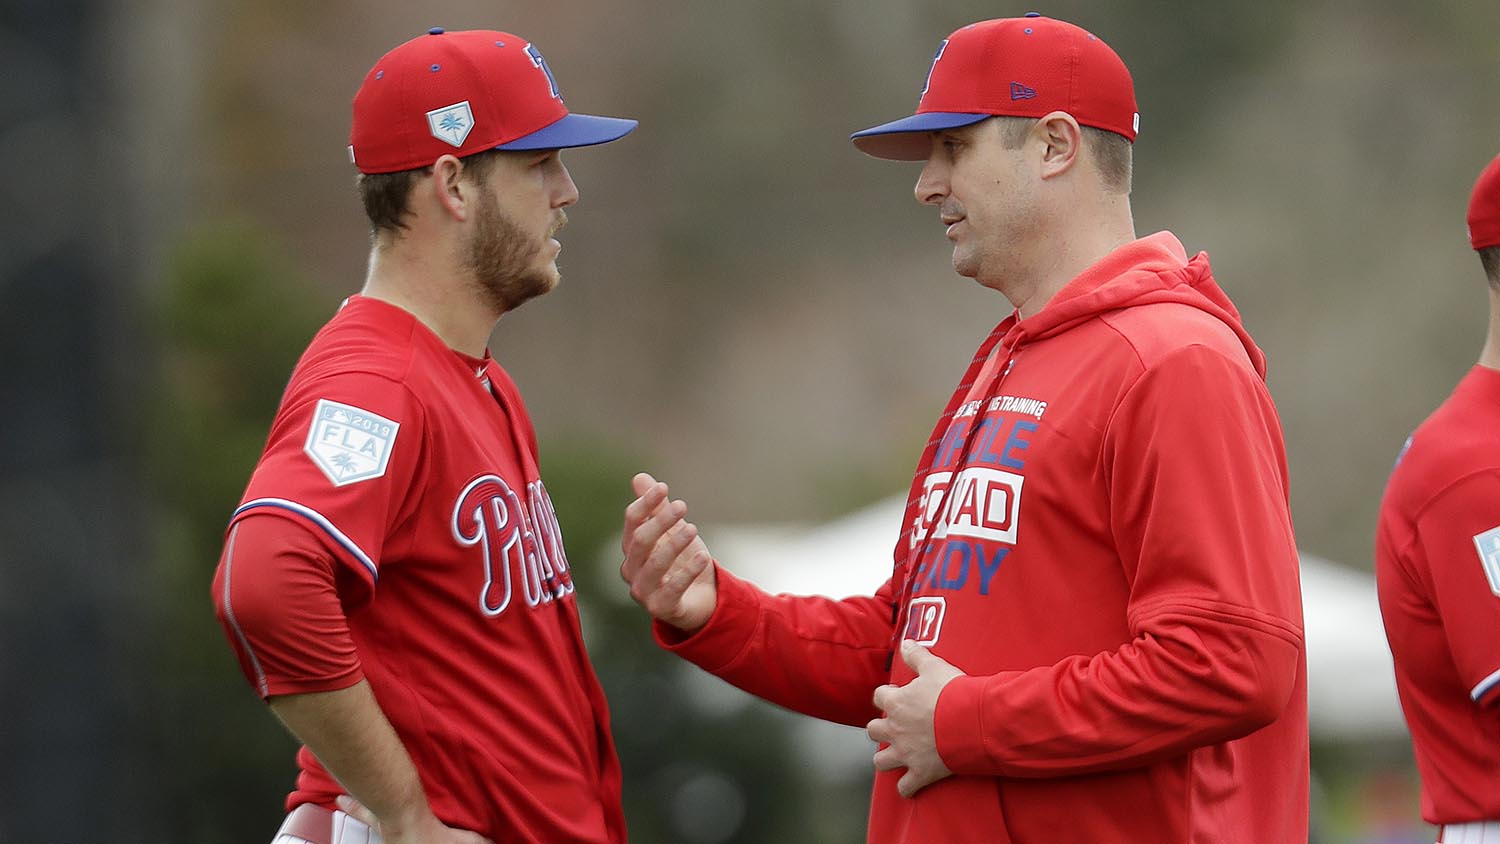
(451,124)
(348,443)
(1488,545)
(924,620)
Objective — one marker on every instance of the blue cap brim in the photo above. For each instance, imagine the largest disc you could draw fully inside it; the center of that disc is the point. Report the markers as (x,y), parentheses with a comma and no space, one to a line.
(906,139)
(574,130)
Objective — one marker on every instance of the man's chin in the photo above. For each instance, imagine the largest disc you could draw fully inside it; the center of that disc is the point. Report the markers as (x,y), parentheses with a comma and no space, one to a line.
(549,277)
(543,275)
(516,291)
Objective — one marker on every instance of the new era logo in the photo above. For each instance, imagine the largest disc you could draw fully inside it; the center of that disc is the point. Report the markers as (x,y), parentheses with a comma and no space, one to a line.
(1021,92)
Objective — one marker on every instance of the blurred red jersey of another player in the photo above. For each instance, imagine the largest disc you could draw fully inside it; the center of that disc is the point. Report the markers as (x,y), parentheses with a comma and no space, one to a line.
(1438,567)
(1437,564)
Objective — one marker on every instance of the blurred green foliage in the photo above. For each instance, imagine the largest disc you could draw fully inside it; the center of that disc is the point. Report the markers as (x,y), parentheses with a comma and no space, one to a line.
(231,321)
(231,317)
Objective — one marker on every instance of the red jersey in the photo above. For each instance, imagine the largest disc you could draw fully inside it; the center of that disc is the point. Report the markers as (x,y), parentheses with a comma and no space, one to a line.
(416,468)
(1437,567)
(1099,536)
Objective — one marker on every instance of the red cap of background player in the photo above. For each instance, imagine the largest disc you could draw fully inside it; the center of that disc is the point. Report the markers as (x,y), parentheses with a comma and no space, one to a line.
(1017,67)
(458,93)
(1484,208)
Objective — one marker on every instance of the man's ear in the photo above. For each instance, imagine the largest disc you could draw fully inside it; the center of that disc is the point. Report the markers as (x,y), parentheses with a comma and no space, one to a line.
(1062,140)
(453,194)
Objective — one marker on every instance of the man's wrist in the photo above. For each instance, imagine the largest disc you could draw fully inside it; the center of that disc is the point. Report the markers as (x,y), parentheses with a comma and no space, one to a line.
(405,820)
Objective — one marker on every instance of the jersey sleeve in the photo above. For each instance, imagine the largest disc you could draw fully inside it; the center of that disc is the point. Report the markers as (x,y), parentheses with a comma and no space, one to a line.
(275,595)
(810,654)
(1199,510)
(343,458)
(1459,536)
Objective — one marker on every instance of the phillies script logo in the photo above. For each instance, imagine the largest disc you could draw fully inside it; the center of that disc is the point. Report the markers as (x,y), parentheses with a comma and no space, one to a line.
(519,543)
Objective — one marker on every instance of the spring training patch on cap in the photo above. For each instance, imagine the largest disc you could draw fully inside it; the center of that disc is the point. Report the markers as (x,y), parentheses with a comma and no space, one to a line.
(451,124)
(348,443)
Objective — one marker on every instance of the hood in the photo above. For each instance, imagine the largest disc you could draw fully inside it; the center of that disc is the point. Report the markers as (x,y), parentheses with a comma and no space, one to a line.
(1147,271)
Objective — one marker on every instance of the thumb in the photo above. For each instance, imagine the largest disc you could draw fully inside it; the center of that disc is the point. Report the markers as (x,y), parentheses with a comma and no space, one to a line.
(916,657)
(642,483)
(357,810)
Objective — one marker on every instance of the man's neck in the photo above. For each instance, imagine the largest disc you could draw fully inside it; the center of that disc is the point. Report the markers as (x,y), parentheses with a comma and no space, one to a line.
(444,302)
(1490,357)
(1070,253)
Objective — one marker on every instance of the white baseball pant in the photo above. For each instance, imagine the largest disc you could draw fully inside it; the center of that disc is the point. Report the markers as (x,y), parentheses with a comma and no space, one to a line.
(1478,832)
(309,824)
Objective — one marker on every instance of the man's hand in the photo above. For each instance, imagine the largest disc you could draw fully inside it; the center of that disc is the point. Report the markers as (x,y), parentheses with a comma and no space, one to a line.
(907,728)
(428,830)
(667,566)
(350,735)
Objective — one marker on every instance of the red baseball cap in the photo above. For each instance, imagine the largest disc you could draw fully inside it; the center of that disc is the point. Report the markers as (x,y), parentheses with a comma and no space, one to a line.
(458,93)
(1484,208)
(1018,67)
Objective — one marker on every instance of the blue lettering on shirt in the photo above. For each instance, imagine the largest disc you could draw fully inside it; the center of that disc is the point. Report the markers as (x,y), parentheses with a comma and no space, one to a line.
(948,450)
(950,573)
(1015,443)
(989,431)
(988,568)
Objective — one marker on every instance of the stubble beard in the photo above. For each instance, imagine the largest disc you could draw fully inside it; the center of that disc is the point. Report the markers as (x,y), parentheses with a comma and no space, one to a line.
(503,258)
(1001,260)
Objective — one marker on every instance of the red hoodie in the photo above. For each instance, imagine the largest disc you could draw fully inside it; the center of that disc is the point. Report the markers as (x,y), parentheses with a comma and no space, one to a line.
(1113,568)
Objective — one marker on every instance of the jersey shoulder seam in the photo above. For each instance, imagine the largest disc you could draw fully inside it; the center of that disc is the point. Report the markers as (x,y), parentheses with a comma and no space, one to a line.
(1448,488)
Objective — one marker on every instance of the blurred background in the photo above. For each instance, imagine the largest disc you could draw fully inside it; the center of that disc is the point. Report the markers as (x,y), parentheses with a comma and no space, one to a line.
(751,310)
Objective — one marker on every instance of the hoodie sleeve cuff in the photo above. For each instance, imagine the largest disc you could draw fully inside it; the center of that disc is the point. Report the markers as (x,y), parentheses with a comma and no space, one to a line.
(959,724)
(729,630)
